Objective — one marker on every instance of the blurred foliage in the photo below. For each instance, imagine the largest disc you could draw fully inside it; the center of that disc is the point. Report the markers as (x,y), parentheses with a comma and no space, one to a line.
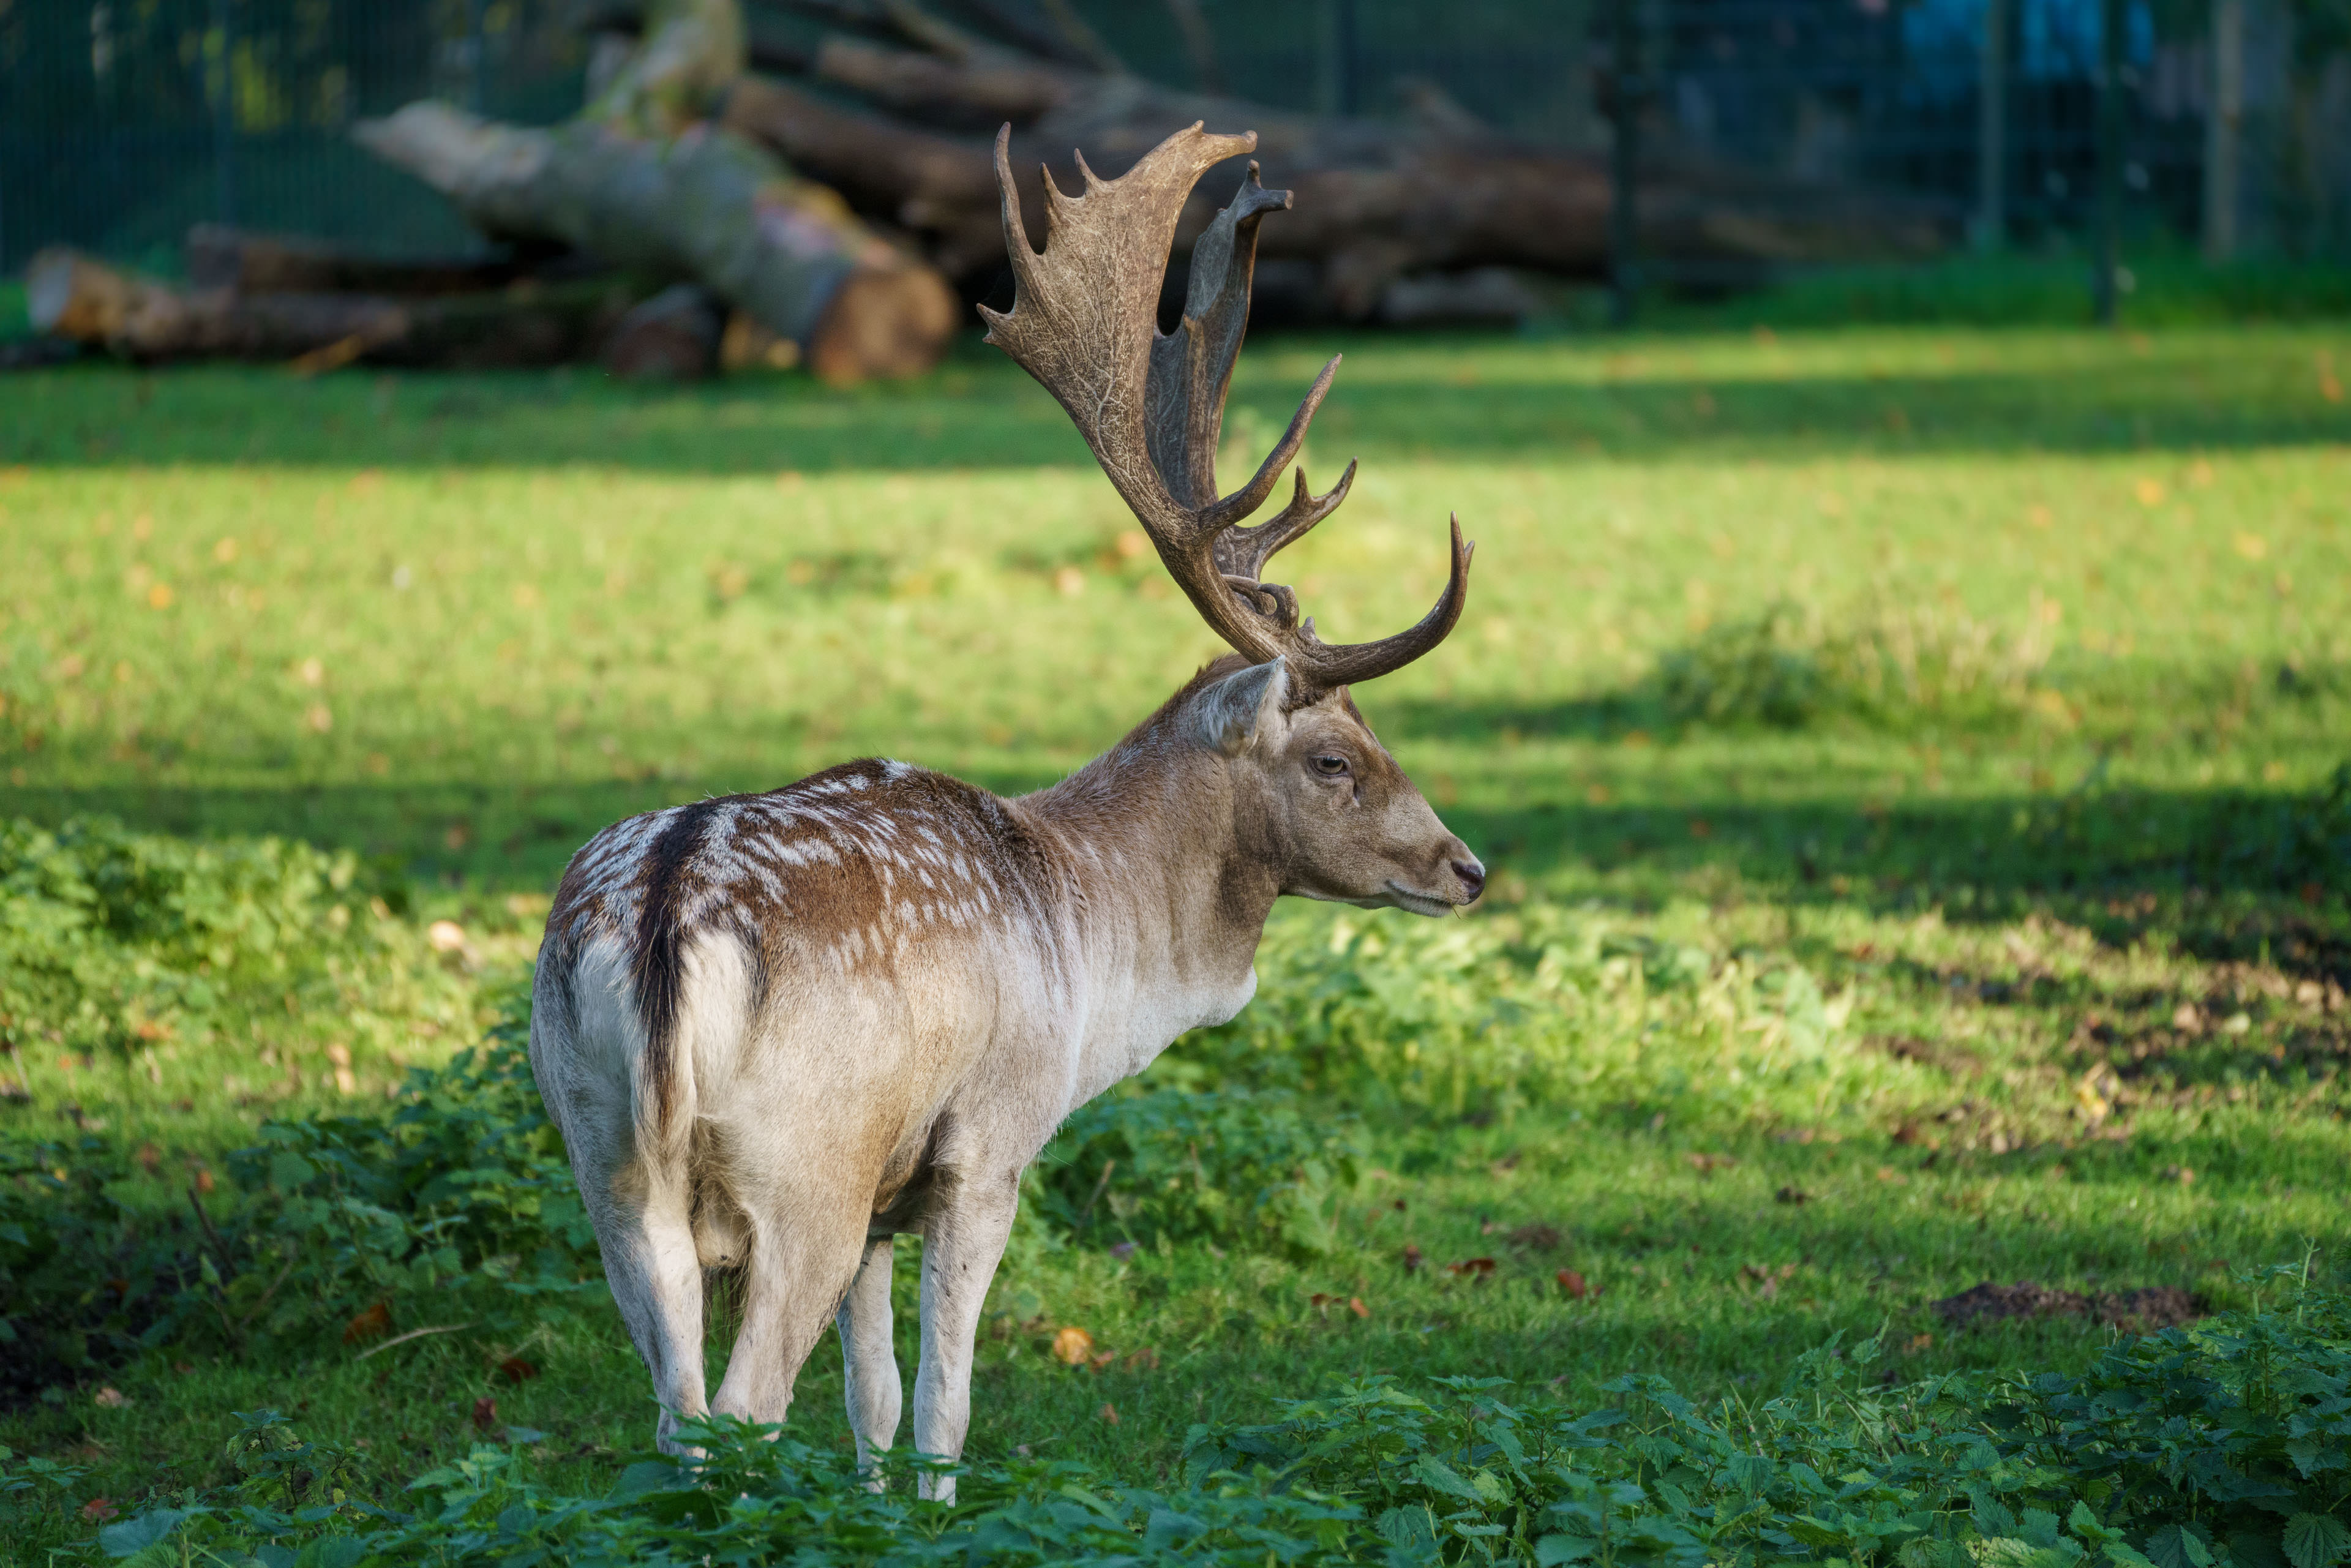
(1889,663)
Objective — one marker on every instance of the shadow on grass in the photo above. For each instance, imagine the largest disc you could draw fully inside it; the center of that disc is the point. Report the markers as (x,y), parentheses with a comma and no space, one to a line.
(2228,873)
(1540,403)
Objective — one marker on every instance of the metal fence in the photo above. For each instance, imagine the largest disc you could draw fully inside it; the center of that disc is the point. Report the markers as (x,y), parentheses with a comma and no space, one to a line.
(2228,121)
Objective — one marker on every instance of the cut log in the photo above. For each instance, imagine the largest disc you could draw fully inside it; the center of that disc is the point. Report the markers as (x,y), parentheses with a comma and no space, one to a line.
(642,181)
(1375,202)
(218,257)
(146,319)
(940,188)
(707,205)
(673,337)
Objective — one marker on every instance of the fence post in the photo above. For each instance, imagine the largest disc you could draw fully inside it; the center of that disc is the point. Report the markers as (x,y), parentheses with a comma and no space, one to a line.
(2224,121)
(477,59)
(1991,131)
(2108,216)
(1334,75)
(224,114)
(1623,161)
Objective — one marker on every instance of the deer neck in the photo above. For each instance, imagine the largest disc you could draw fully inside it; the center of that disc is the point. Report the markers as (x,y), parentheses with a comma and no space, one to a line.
(1169,869)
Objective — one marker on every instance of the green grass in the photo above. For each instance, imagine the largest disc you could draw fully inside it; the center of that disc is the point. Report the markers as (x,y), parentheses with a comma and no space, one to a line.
(453,625)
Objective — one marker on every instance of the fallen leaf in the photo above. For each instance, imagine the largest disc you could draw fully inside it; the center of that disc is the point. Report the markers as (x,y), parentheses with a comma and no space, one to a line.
(98,1507)
(485,1413)
(1472,1268)
(1572,1284)
(517,1369)
(1356,1305)
(110,1397)
(1144,1359)
(205,1183)
(1074,1346)
(445,936)
(1919,1342)
(1412,1258)
(1791,1194)
(2184,1175)
(373,1323)
(1101,1358)
(1708,1164)
(1108,1412)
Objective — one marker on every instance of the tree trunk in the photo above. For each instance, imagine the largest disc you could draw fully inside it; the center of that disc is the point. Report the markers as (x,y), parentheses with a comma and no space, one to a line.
(673,337)
(221,258)
(1375,202)
(639,181)
(526,324)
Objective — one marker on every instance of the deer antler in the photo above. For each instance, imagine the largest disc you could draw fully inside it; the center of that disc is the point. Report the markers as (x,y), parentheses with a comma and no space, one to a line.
(1084,322)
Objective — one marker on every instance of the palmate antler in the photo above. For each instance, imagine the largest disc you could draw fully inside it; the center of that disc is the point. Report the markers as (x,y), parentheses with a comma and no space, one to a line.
(1084,322)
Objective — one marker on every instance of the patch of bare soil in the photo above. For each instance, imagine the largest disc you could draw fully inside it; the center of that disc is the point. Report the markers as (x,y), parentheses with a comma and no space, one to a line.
(2142,1310)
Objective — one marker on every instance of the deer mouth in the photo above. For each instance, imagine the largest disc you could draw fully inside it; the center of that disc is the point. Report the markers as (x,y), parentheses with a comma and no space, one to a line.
(1417,902)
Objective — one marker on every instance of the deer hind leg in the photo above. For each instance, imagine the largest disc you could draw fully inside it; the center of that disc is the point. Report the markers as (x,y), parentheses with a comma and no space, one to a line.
(868,1357)
(637,1192)
(971,1219)
(650,1261)
(804,1257)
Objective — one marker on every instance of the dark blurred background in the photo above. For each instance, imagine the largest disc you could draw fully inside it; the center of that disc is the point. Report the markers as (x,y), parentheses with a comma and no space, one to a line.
(123,122)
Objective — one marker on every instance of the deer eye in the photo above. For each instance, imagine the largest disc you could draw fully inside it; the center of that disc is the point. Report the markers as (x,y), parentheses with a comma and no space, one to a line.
(1330,766)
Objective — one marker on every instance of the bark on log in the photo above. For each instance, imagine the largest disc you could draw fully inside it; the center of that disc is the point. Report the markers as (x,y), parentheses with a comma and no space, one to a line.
(218,257)
(673,337)
(142,319)
(1375,203)
(641,181)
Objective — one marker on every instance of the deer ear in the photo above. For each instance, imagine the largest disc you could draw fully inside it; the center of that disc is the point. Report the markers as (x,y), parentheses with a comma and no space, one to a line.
(1234,711)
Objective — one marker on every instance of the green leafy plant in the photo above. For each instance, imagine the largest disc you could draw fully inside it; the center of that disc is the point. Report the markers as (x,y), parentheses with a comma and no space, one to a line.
(1791,666)
(2227,1446)
(462,1195)
(114,939)
(1233,1165)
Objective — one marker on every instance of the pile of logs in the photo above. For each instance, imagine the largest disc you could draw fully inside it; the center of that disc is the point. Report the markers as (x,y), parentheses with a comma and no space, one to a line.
(829,208)
(897,108)
(642,232)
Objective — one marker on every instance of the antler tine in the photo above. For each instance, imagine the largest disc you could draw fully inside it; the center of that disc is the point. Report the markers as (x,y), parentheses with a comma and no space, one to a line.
(1351,663)
(1243,552)
(1151,406)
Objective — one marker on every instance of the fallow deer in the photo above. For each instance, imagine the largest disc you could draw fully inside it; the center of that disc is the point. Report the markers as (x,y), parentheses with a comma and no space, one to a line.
(777,1031)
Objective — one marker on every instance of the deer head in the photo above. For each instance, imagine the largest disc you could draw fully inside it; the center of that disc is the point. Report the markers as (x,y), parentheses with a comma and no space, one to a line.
(1338,818)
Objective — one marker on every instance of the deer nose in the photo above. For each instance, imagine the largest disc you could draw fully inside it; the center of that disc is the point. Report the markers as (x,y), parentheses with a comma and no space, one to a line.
(1473,877)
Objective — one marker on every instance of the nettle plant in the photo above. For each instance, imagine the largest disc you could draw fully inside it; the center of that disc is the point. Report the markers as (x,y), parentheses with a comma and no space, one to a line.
(2224,1446)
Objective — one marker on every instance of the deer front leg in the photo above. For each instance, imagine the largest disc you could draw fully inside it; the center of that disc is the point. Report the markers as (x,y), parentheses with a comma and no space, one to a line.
(963,1240)
(868,1359)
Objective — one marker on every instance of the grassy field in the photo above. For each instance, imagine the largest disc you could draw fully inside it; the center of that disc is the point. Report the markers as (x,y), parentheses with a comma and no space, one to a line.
(1904,757)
